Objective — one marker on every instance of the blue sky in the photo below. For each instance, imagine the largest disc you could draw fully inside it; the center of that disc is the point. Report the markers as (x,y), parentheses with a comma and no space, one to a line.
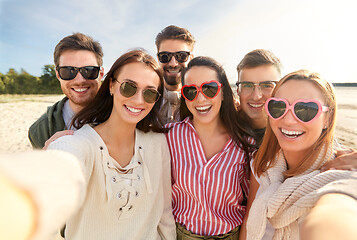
(315,34)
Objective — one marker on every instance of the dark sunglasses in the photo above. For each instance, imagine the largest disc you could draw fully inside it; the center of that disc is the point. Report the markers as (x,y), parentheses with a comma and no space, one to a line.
(208,89)
(304,111)
(181,56)
(69,73)
(129,89)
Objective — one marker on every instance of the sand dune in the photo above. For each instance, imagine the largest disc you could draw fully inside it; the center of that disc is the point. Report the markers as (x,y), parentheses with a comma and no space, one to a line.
(19,112)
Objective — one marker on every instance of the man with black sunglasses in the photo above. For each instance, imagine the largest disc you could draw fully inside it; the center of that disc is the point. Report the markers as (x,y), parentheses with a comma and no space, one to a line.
(78,60)
(174,51)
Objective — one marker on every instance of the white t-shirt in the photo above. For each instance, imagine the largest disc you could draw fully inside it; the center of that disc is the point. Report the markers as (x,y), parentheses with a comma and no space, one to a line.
(269,230)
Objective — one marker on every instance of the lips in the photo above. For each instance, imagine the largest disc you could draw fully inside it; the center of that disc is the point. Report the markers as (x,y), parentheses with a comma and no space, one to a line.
(80,89)
(256,105)
(203,109)
(291,134)
(173,70)
(133,110)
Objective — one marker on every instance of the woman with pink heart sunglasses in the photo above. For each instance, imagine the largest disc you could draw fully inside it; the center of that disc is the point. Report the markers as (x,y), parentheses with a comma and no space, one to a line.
(286,183)
(209,154)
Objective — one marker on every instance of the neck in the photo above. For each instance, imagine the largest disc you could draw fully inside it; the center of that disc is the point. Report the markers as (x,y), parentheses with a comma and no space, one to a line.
(210,128)
(293,159)
(173,87)
(114,132)
(75,107)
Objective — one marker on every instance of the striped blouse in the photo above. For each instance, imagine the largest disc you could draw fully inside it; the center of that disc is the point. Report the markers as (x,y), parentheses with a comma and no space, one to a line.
(207,194)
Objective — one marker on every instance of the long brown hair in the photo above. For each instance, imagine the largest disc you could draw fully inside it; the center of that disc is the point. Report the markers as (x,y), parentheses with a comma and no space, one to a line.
(237,127)
(265,157)
(100,108)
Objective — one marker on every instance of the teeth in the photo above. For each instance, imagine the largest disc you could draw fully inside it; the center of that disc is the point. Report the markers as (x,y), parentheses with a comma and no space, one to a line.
(256,105)
(80,89)
(174,71)
(203,108)
(134,110)
(291,133)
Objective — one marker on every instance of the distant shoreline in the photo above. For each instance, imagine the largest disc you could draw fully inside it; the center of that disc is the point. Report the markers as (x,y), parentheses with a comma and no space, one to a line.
(345,84)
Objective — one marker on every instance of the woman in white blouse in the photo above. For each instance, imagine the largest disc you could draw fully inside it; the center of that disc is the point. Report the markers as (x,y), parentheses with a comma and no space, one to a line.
(115,183)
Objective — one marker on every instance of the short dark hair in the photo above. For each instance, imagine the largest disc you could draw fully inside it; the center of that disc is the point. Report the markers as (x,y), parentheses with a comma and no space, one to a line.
(100,108)
(237,127)
(78,41)
(258,58)
(175,33)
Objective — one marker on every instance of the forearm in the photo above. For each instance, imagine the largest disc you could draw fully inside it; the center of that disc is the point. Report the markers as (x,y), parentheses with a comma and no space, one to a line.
(18,211)
(333,217)
(49,186)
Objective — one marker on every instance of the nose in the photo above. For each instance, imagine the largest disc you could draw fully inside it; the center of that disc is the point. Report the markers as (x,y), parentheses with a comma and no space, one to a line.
(200,96)
(138,97)
(257,93)
(79,77)
(173,62)
(289,117)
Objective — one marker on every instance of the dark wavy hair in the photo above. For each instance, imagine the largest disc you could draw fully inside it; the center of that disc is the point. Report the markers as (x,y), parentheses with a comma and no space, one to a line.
(100,108)
(237,127)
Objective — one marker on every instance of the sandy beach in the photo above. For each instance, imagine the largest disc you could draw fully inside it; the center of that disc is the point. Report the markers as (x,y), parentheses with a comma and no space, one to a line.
(19,112)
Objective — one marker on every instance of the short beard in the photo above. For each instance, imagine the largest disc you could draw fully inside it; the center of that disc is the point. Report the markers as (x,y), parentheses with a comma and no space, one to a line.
(171,80)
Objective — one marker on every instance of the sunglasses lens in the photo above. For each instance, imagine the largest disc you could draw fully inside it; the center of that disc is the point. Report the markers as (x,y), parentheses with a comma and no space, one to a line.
(306,111)
(276,108)
(127,89)
(189,93)
(151,95)
(182,56)
(90,72)
(210,90)
(164,57)
(67,73)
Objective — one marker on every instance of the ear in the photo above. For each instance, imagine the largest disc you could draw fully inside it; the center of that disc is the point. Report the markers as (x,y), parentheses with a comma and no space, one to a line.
(101,73)
(111,86)
(327,120)
(57,75)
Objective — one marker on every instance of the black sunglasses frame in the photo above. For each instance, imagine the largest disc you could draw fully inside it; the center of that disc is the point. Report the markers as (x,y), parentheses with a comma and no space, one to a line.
(74,71)
(180,56)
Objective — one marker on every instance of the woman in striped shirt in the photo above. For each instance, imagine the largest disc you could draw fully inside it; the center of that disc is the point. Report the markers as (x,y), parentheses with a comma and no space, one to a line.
(209,152)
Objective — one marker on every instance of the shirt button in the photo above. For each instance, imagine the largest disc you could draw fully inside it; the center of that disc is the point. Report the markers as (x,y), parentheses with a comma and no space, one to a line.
(120,209)
(119,195)
(130,207)
(114,180)
(139,162)
(101,148)
(136,194)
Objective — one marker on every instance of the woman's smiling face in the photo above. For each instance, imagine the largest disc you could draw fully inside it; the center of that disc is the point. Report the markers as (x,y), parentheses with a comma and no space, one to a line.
(294,137)
(203,109)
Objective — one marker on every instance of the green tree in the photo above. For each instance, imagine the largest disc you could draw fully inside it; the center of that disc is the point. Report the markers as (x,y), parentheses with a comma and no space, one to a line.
(49,81)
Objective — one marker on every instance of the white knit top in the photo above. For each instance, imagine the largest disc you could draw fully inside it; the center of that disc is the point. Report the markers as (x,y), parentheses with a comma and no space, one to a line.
(84,188)
(284,202)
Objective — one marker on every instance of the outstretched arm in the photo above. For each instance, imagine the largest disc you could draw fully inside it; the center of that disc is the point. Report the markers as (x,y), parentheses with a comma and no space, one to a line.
(333,217)
(39,191)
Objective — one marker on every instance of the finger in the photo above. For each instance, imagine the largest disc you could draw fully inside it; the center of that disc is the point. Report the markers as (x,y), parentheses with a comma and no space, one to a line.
(343,152)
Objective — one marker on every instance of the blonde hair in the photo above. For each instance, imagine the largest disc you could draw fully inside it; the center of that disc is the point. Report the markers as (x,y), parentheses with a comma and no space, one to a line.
(265,157)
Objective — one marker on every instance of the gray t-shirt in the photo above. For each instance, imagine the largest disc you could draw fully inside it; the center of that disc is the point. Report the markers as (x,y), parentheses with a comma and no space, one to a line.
(68,115)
